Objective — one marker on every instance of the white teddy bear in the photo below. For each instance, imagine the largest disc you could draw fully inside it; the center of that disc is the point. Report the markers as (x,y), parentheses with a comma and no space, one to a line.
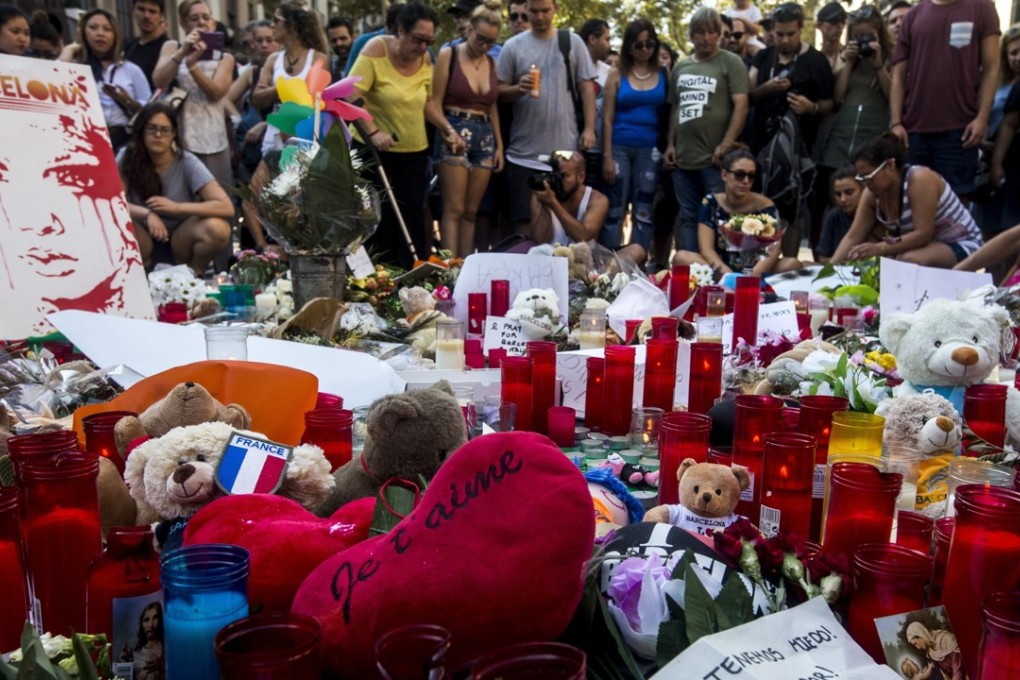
(538,312)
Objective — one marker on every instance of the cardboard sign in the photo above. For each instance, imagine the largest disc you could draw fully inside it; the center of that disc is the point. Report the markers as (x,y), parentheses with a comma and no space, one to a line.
(907,287)
(251,465)
(802,643)
(65,232)
(501,333)
(522,271)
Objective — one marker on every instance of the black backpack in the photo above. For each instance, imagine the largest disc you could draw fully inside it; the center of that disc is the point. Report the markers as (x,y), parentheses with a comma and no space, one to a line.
(784,165)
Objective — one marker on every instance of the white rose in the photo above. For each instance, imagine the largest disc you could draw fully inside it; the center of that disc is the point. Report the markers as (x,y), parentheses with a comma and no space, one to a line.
(752,226)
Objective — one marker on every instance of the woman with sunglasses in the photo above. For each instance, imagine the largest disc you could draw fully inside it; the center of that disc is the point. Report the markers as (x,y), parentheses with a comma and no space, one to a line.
(739,170)
(631,106)
(396,81)
(122,85)
(173,198)
(469,147)
(922,220)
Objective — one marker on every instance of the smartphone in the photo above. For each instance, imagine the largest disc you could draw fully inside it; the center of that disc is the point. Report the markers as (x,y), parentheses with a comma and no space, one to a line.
(214,44)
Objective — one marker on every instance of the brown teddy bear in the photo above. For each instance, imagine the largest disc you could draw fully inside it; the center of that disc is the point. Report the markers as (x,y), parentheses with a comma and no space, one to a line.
(172,477)
(409,434)
(708,495)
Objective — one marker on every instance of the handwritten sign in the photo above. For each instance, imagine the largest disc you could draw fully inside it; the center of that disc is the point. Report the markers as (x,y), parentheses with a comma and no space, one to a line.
(522,271)
(907,287)
(802,643)
(505,334)
(778,317)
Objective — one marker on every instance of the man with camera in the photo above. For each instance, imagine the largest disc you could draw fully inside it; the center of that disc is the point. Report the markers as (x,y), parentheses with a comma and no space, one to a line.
(565,210)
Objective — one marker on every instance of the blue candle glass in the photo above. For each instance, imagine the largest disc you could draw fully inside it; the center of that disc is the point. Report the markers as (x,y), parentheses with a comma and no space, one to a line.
(205,587)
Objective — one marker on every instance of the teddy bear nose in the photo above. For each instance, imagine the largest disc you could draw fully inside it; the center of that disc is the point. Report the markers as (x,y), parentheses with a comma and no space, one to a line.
(189,384)
(706,497)
(182,473)
(945,423)
(965,356)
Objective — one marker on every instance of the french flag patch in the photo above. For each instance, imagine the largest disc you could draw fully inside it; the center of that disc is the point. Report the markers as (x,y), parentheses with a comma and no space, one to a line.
(252,465)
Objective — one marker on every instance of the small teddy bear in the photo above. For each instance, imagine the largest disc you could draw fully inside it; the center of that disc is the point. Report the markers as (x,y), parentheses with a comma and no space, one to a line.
(537,310)
(630,473)
(708,495)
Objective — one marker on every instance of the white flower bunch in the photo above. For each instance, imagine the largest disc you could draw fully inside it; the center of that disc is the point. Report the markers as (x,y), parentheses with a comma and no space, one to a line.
(835,375)
(283,289)
(701,275)
(176,284)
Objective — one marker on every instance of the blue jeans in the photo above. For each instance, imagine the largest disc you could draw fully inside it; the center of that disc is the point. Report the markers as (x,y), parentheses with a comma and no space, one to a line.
(943,152)
(691,186)
(637,175)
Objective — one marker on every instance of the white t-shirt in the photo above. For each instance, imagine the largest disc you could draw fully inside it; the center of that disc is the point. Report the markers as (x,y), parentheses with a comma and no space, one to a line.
(752,14)
(128,75)
(681,517)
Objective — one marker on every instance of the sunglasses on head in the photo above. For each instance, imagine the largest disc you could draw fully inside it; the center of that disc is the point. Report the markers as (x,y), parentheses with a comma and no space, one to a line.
(514,16)
(743,175)
(647,45)
(871,175)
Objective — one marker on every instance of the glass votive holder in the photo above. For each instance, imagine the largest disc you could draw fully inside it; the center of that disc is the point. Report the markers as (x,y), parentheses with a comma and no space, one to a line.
(449,345)
(943,537)
(800,298)
(854,432)
(631,326)
(491,412)
(715,301)
(359,429)
(709,329)
(270,646)
(862,506)
(226,342)
(532,661)
(413,651)
(720,455)
(561,423)
(664,327)
(965,470)
(644,429)
(499,302)
(999,655)
(478,308)
(905,460)
(819,309)
(592,333)
(914,531)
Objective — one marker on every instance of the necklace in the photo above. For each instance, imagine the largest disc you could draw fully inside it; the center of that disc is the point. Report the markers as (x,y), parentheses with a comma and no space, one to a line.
(291,63)
(642,77)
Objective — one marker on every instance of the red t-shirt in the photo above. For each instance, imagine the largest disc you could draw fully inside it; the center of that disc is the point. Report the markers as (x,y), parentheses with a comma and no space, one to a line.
(943,46)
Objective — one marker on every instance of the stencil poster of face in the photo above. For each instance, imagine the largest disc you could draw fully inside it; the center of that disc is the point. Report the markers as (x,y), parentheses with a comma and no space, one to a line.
(65,233)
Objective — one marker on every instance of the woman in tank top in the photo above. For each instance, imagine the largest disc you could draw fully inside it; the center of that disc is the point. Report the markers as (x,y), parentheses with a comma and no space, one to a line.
(299,34)
(631,105)
(924,222)
(469,147)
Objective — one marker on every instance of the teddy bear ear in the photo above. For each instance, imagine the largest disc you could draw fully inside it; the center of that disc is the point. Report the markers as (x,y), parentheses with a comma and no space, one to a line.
(743,478)
(892,330)
(386,416)
(127,429)
(686,465)
(443,386)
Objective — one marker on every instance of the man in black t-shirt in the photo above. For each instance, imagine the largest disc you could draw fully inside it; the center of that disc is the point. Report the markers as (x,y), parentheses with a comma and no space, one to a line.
(790,76)
(144,50)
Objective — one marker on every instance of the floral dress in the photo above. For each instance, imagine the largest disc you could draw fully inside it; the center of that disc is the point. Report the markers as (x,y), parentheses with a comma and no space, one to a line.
(712,214)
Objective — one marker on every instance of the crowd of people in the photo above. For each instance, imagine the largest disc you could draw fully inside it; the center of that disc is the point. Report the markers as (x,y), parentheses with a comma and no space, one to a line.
(894,138)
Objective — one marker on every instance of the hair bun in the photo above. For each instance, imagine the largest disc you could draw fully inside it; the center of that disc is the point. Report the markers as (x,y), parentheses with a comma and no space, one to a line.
(494,5)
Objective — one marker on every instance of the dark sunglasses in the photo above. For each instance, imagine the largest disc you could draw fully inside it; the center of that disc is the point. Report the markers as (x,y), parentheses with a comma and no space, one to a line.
(647,45)
(743,175)
(481,40)
(736,35)
(514,16)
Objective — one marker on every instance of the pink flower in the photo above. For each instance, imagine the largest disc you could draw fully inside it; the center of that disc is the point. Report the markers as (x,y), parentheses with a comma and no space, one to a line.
(441,293)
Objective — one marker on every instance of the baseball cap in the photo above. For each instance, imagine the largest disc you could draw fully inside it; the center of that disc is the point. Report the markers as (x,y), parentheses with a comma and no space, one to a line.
(464,7)
(832,13)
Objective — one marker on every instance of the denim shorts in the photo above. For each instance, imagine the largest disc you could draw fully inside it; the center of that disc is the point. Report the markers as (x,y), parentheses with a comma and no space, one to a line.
(480,144)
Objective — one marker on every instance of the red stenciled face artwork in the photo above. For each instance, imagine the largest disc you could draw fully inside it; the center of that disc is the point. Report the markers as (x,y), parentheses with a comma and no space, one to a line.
(65,236)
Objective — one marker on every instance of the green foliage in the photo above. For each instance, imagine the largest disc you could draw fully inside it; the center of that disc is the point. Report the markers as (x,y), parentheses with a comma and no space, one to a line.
(699,609)
(36,665)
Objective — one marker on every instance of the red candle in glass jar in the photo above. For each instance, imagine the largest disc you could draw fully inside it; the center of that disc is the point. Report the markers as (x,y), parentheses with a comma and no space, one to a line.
(499,289)
(478,304)
(682,434)
(943,537)
(754,417)
(562,421)
(631,326)
(543,382)
(496,356)
(660,373)
(593,393)
(515,388)
(862,506)
(999,655)
(889,580)
(984,411)
(679,285)
(705,384)
(13,581)
(61,536)
(619,387)
(984,557)
(39,446)
(99,438)
(745,310)
(331,430)
(914,531)
(128,568)
(664,327)
(787,473)
(816,420)
(172,312)
(327,400)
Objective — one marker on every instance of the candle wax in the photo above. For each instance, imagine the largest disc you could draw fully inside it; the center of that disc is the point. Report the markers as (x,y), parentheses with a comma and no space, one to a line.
(450,354)
(592,339)
(192,621)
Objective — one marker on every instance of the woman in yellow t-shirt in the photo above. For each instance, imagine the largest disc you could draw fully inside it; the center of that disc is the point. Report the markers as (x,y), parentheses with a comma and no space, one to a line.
(396,81)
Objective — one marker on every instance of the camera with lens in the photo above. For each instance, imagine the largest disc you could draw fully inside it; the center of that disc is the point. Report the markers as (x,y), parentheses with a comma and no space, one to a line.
(554,179)
(864,46)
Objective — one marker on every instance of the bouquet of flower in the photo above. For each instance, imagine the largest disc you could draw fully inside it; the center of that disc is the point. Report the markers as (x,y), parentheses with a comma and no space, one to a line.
(317,202)
(175,284)
(835,375)
(256,269)
(750,232)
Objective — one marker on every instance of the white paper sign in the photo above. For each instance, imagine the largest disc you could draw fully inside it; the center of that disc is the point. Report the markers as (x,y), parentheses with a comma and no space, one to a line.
(639,299)
(522,271)
(501,333)
(778,317)
(802,643)
(907,287)
(360,263)
(65,232)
